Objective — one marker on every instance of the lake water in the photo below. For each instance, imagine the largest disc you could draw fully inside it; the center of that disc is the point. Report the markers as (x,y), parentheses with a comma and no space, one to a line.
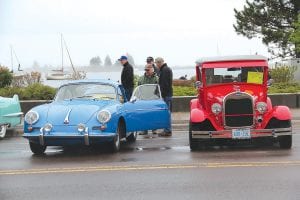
(116,76)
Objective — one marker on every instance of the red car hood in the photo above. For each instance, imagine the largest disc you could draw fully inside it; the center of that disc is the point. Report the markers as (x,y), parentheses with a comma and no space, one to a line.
(217,93)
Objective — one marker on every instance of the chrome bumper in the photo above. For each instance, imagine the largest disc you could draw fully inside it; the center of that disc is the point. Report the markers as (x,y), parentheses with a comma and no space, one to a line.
(85,135)
(255,133)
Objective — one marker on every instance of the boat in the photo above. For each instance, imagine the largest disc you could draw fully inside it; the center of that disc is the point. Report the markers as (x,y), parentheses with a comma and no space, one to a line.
(61,74)
(19,72)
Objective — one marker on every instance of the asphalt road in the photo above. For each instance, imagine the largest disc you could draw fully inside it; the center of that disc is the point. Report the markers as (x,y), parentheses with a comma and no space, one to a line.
(150,168)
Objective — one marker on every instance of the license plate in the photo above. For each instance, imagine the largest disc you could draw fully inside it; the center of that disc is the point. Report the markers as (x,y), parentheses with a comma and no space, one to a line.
(241,134)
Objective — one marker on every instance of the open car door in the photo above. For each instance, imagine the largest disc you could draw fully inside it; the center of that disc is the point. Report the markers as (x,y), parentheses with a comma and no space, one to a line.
(146,109)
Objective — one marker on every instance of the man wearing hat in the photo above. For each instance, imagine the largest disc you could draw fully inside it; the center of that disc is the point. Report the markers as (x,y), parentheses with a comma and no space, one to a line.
(150,60)
(127,77)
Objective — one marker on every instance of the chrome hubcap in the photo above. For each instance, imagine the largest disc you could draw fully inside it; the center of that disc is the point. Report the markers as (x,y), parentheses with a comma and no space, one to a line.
(117,141)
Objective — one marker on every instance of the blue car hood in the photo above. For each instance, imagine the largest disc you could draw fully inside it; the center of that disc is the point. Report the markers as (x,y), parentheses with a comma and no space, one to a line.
(74,112)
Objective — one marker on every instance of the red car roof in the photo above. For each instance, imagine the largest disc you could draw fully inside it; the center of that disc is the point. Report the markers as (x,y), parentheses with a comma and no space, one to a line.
(233,61)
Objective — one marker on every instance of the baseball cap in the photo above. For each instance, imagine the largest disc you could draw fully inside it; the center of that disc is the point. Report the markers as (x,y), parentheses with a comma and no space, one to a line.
(149,59)
(123,58)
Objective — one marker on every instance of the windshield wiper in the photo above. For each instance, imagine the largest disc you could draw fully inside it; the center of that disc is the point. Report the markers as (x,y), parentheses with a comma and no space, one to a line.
(82,97)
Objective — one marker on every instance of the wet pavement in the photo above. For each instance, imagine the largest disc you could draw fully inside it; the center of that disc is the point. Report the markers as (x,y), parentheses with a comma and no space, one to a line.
(151,168)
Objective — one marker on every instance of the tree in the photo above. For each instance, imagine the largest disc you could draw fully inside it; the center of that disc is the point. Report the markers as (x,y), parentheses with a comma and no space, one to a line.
(5,77)
(107,61)
(295,36)
(95,61)
(272,21)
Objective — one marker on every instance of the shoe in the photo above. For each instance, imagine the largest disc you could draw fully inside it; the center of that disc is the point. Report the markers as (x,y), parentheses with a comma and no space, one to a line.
(165,134)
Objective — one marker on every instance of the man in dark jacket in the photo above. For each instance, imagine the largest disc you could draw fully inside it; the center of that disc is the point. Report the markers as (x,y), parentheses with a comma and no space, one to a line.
(165,83)
(127,77)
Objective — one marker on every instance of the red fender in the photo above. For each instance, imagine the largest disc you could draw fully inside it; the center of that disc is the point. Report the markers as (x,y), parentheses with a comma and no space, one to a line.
(282,113)
(197,115)
(194,103)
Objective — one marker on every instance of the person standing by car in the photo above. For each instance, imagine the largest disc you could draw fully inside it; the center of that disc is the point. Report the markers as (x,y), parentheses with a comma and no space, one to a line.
(149,77)
(150,60)
(165,83)
(127,77)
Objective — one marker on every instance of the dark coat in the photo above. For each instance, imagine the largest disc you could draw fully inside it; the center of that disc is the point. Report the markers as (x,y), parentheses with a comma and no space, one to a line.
(127,78)
(166,81)
(156,70)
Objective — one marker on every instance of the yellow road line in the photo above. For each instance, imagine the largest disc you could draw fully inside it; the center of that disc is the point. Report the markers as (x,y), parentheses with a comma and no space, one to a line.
(149,167)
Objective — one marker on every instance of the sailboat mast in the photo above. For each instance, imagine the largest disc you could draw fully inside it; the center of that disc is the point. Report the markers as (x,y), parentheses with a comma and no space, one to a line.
(69,56)
(62,52)
(12,59)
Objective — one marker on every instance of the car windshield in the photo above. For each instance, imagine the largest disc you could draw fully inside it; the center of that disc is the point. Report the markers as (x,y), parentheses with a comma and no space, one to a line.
(86,91)
(147,92)
(229,75)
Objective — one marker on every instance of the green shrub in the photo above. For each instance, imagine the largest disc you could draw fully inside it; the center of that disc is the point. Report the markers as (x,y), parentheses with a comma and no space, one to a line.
(35,91)
(184,91)
(284,88)
(5,77)
(11,91)
(39,91)
(283,74)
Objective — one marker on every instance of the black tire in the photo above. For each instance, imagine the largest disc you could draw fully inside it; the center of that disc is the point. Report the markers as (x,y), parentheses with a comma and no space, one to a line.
(193,142)
(37,148)
(285,142)
(3,129)
(116,144)
(132,137)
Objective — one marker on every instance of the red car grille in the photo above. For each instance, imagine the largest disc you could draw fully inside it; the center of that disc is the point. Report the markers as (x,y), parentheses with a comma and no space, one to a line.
(238,112)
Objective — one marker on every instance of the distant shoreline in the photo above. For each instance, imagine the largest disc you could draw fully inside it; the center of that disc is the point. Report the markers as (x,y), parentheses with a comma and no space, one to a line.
(93,68)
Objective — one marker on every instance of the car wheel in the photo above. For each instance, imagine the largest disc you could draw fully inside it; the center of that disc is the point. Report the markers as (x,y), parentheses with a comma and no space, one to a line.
(285,142)
(132,137)
(115,144)
(193,142)
(37,148)
(2,131)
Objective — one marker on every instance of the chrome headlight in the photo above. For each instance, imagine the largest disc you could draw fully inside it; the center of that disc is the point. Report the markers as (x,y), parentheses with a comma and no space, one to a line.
(80,127)
(261,107)
(103,116)
(31,117)
(216,108)
(48,127)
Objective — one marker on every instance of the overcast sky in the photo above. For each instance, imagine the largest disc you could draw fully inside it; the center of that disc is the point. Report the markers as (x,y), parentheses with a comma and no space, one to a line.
(179,31)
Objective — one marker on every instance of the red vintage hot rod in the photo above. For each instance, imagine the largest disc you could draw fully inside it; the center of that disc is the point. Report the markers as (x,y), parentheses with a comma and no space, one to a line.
(232,103)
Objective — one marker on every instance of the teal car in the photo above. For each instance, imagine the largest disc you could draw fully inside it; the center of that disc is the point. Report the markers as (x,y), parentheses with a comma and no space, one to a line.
(10,114)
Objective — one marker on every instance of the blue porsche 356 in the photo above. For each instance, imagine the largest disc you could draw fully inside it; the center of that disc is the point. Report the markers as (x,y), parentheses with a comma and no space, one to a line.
(92,112)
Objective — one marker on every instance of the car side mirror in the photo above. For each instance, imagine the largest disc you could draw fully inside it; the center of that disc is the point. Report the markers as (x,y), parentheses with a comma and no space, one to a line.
(133,99)
(198,84)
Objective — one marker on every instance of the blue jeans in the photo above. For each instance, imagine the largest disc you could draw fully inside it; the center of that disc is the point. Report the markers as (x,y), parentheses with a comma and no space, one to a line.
(168,101)
(128,93)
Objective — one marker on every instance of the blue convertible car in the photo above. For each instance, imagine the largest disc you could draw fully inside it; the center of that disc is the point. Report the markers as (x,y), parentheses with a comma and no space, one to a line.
(95,111)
